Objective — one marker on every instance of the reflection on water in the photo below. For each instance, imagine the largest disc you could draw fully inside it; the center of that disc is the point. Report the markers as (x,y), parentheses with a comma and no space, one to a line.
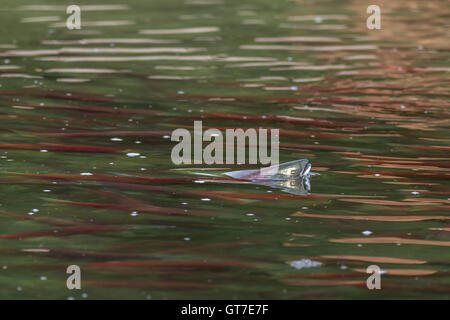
(300,186)
(86,117)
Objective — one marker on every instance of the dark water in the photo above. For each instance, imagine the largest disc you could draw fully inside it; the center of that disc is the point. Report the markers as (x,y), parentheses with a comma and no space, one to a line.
(369,109)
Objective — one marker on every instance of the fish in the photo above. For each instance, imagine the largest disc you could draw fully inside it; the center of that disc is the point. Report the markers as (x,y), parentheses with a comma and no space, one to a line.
(285,171)
(292,177)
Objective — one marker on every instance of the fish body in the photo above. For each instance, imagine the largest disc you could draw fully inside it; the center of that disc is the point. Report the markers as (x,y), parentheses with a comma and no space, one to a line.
(291,177)
(285,171)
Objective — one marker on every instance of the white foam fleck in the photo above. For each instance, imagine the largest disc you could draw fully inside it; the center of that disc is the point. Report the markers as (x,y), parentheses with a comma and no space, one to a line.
(133,154)
(304,264)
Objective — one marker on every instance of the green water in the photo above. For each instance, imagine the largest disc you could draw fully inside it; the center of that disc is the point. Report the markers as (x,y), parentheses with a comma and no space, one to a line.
(382,196)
